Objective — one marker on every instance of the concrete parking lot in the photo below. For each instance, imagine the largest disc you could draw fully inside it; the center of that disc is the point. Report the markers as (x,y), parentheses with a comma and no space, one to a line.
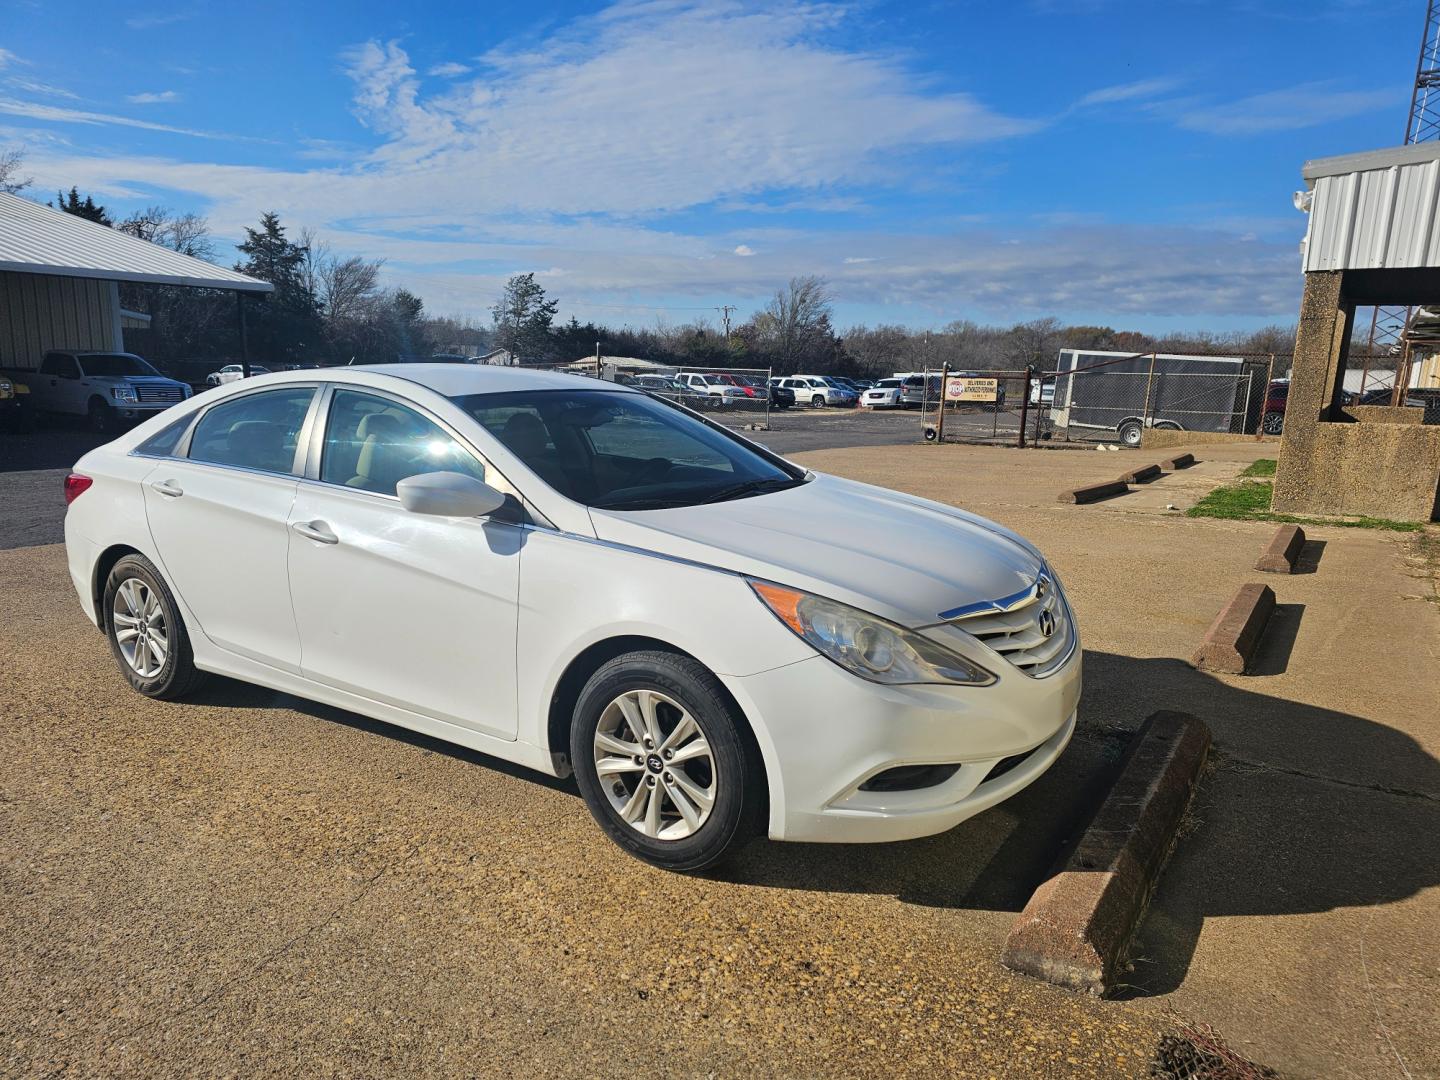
(250,884)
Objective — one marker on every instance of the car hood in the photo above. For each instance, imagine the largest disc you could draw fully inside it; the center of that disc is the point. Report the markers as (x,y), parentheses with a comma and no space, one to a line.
(136,380)
(894,555)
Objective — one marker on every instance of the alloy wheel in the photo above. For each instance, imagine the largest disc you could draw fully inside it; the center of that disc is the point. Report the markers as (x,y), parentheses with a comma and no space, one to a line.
(655,765)
(140,628)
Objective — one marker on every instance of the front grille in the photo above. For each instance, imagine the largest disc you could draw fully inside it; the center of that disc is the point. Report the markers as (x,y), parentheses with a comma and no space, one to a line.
(1015,627)
(153,394)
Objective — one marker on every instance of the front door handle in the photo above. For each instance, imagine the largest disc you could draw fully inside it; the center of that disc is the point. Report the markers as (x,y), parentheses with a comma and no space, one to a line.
(168,488)
(315,530)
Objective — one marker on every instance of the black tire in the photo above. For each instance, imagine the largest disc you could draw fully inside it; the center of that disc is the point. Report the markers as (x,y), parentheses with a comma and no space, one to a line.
(1273,423)
(100,416)
(178,675)
(1130,432)
(739,775)
(818,401)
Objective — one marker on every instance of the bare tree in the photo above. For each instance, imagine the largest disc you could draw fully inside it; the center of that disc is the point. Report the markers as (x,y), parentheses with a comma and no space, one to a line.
(795,322)
(189,234)
(11,182)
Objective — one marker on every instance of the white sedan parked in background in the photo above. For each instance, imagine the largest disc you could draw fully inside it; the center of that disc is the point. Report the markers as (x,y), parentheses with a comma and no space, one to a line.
(584,578)
(233,373)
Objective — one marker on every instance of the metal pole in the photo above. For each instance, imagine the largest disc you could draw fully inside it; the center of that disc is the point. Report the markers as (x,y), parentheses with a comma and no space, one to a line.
(1145,420)
(1025,403)
(597,359)
(1265,397)
(244,335)
(944,390)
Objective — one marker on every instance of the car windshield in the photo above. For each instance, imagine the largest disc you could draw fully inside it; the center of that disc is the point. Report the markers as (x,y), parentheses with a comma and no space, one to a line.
(888,383)
(624,451)
(111,365)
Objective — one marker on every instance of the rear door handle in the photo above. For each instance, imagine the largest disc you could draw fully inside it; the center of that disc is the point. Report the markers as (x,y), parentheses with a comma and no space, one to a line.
(315,530)
(168,488)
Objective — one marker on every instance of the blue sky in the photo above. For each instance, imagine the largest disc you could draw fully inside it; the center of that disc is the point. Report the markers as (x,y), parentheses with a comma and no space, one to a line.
(1122,163)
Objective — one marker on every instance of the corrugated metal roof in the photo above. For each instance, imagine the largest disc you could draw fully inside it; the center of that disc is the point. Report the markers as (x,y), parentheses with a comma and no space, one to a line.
(37,239)
(1375,210)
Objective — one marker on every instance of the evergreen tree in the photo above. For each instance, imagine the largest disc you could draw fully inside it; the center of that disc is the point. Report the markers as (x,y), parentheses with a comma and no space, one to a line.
(88,209)
(522,318)
(286,326)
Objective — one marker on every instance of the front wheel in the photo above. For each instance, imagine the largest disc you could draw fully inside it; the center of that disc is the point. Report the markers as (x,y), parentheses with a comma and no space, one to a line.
(99,416)
(818,401)
(1273,423)
(663,762)
(145,631)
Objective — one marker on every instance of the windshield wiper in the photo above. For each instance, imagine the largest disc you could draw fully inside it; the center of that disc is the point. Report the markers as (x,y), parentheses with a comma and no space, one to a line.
(752,487)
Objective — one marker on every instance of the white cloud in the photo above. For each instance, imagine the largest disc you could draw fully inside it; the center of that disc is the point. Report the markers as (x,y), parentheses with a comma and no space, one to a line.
(152,97)
(35,86)
(448,70)
(570,158)
(36,111)
(155,19)
(1131,91)
(1307,105)
(7,58)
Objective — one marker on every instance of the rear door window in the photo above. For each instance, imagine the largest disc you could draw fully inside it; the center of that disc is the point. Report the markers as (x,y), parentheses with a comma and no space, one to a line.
(257,431)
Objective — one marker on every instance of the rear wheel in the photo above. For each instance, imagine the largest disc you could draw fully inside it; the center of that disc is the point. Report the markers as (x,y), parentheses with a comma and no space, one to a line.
(146,634)
(663,762)
(1130,432)
(1273,423)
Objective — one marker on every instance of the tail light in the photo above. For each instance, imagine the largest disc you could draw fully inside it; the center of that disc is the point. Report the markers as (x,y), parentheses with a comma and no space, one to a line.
(76,485)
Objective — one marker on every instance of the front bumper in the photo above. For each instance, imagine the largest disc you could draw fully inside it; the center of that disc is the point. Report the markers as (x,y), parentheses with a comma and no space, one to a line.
(828,732)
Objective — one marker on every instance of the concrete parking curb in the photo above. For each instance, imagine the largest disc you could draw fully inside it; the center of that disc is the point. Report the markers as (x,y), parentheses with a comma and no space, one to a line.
(1143,475)
(1179,461)
(1284,548)
(1076,930)
(1234,636)
(1094,492)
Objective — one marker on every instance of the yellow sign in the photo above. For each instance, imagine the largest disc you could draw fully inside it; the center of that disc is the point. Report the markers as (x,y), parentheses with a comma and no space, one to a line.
(965,388)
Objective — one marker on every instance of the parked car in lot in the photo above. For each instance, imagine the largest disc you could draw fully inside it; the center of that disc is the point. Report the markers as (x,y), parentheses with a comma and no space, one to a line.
(714,392)
(885,394)
(585,579)
(10,404)
(105,387)
(817,392)
(231,372)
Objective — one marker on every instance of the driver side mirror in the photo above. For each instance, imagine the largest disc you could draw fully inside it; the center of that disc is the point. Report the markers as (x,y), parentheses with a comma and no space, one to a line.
(448,494)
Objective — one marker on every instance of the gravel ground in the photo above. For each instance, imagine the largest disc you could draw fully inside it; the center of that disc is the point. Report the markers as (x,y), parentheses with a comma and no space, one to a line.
(251,884)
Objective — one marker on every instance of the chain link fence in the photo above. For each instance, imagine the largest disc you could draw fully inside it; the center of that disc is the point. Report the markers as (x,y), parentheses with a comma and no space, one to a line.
(747,394)
(1100,397)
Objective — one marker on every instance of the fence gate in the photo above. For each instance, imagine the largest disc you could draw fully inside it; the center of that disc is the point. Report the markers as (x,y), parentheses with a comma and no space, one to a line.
(985,407)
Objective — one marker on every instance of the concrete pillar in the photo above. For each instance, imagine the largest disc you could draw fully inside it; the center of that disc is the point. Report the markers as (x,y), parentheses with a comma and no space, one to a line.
(1321,347)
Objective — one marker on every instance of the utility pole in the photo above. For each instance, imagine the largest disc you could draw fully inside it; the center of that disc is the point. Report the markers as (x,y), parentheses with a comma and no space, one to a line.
(725,310)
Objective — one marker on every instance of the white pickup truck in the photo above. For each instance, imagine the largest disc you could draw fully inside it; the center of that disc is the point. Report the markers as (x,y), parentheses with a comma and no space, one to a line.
(713,390)
(106,387)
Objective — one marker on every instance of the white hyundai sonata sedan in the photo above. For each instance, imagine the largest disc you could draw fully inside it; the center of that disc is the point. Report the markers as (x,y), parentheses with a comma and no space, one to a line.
(584,578)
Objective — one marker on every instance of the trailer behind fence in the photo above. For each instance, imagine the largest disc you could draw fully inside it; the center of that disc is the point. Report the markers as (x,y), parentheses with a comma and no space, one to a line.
(1099,397)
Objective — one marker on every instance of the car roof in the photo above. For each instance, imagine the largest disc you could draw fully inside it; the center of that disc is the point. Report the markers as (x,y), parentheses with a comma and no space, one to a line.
(457,380)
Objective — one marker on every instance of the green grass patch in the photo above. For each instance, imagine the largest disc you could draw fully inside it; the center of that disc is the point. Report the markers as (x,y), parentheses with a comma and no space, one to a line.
(1249,500)
(1264,466)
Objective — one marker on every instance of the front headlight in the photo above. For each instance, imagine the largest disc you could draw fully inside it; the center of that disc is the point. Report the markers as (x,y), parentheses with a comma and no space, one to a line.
(123,393)
(865,645)
(7,388)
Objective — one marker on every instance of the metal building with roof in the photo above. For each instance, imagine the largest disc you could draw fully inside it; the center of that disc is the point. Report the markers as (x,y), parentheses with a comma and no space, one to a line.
(1373,240)
(60,276)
